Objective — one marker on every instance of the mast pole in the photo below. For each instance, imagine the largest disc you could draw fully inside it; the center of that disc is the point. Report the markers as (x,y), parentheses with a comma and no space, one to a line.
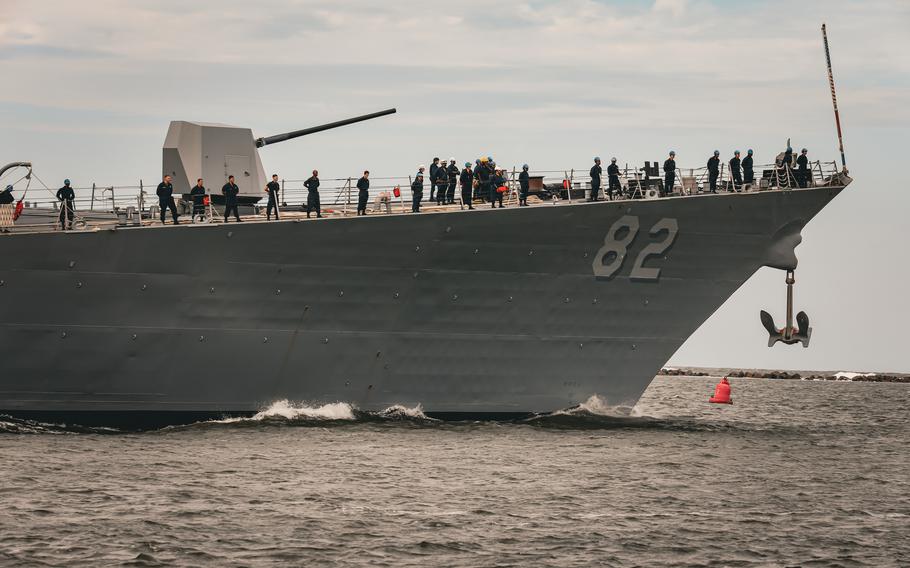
(840,136)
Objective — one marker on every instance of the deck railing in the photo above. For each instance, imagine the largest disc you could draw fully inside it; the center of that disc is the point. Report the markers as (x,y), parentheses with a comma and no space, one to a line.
(340,194)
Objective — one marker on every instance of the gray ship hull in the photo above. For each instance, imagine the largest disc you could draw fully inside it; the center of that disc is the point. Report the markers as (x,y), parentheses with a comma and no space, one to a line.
(469,313)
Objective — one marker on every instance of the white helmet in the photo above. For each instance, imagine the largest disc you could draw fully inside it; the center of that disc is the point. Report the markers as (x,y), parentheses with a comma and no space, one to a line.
(421,167)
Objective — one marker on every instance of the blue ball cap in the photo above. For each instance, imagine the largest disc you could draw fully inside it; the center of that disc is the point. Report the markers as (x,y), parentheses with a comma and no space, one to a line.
(750,151)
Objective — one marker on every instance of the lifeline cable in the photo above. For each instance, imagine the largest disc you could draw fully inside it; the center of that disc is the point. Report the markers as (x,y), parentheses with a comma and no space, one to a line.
(78,220)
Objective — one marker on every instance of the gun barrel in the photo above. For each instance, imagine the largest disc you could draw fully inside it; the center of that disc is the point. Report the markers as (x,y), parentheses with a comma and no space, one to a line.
(260,142)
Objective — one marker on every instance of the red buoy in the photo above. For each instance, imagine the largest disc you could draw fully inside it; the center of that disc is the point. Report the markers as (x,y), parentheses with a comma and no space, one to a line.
(722,393)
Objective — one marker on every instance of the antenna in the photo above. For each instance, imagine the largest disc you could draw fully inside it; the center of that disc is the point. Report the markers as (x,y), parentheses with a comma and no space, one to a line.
(840,137)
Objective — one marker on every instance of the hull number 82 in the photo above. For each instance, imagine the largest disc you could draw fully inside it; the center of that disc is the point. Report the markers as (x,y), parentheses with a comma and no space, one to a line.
(612,255)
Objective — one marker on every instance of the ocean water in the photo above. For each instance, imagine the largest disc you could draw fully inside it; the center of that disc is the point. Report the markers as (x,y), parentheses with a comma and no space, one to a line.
(793,474)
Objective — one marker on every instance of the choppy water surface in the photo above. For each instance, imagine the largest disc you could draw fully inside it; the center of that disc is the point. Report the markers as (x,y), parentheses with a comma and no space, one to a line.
(795,473)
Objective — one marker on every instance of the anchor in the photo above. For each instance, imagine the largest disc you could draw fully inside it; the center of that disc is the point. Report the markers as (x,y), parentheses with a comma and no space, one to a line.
(788,334)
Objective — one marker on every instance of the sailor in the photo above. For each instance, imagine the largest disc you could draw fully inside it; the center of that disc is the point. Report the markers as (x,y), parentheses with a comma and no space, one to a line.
(312,196)
(7,211)
(496,182)
(802,168)
(786,164)
(713,170)
(787,160)
(67,197)
(230,191)
(442,182)
(165,193)
(596,173)
(467,182)
(748,173)
(735,171)
(524,185)
(272,188)
(417,190)
(613,173)
(434,168)
(453,181)
(669,173)
(363,193)
(197,194)
(483,178)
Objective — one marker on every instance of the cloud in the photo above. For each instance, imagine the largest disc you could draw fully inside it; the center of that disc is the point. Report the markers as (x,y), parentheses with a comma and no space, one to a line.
(558,65)
(40,51)
(675,8)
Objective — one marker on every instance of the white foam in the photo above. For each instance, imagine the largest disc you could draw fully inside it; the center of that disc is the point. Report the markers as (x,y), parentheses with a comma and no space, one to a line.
(597,406)
(849,376)
(399,410)
(288,410)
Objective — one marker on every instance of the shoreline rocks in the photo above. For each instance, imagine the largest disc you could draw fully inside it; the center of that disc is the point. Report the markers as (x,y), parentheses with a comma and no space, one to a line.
(787,375)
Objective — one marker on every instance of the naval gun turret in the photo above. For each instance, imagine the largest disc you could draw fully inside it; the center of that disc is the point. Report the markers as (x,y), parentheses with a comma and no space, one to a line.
(213,152)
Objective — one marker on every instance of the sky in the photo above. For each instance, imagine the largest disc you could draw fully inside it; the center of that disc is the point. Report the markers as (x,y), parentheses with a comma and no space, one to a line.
(87,90)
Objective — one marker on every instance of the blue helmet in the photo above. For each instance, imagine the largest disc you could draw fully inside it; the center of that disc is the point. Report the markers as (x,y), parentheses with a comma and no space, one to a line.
(524,167)
(66,182)
(736,152)
(467,164)
(596,158)
(717,152)
(672,153)
(750,151)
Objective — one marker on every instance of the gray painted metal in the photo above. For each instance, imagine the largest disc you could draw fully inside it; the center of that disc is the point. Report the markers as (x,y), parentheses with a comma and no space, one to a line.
(488,311)
(260,142)
(12,165)
(213,152)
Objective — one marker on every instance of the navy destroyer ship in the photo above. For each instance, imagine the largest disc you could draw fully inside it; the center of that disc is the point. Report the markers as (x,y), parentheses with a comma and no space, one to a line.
(491,312)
